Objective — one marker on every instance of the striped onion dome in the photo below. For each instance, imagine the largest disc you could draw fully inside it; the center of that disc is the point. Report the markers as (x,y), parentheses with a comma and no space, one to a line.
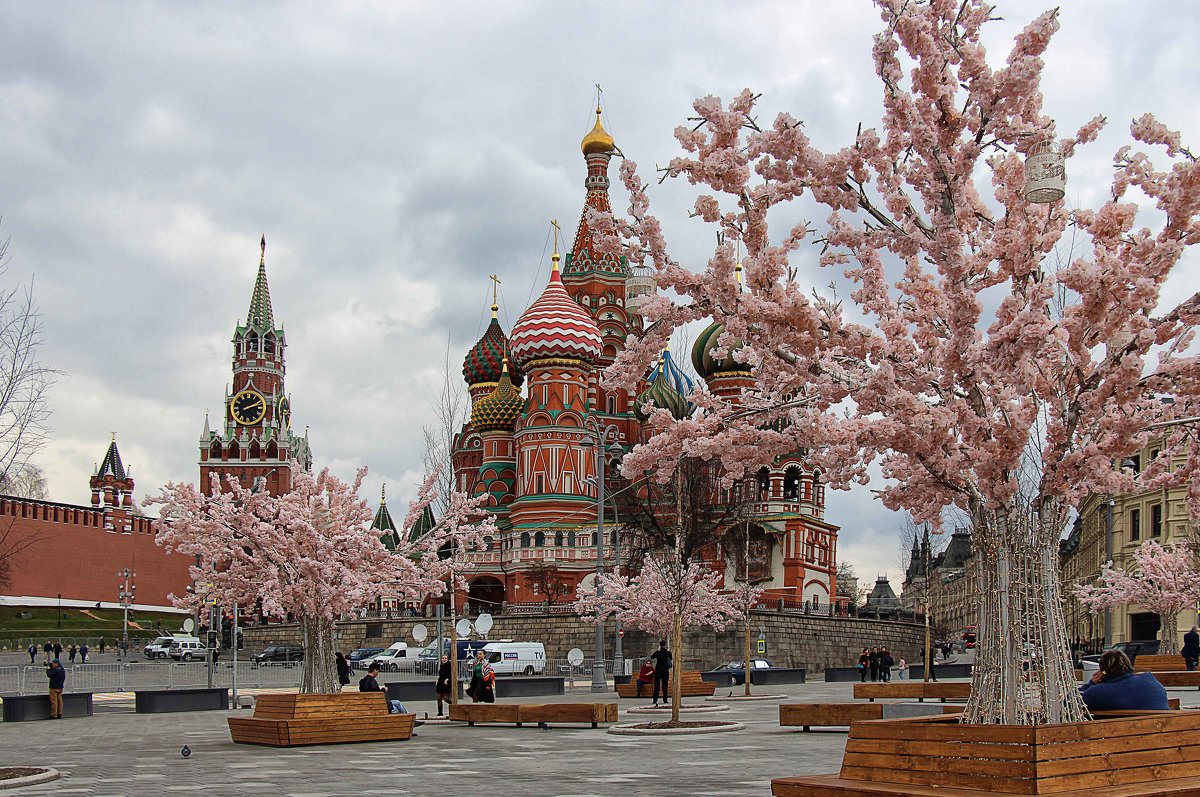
(483,362)
(676,377)
(554,327)
(662,395)
(498,410)
(702,356)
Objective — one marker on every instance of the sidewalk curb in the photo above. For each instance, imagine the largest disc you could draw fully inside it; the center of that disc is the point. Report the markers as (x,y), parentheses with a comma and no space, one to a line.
(29,780)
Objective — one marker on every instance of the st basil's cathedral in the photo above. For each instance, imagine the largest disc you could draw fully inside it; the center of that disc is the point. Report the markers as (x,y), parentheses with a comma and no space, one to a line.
(538,404)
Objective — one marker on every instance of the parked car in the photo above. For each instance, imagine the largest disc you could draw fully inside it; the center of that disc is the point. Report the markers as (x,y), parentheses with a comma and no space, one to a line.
(160,648)
(187,650)
(737,669)
(360,658)
(1145,647)
(279,653)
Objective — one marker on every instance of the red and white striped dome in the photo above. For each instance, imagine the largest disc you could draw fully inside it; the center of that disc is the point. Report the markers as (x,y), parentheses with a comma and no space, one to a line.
(554,326)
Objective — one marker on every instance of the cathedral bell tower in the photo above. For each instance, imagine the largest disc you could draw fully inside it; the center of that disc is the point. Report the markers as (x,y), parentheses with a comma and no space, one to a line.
(254,441)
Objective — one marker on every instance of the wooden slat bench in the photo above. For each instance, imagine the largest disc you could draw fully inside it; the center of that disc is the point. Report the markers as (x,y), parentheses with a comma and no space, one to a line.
(918,690)
(1119,757)
(690,685)
(823,715)
(1160,664)
(291,720)
(529,713)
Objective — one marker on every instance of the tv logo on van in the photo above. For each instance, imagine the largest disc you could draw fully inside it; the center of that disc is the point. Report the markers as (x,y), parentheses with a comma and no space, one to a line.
(508,656)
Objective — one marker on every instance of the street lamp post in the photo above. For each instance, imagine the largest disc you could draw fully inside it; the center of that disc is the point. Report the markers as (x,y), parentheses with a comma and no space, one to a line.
(599,678)
(1108,557)
(125,592)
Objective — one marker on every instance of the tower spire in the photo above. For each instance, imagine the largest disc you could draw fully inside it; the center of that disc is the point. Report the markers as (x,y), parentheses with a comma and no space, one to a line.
(555,257)
(260,315)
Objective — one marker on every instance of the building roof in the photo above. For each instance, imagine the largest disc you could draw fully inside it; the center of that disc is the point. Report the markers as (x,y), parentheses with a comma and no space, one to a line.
(483,362)
(259,316)
(498,410)
(555,327)
(702,354)
(112,465)
(661,394)
(882,596)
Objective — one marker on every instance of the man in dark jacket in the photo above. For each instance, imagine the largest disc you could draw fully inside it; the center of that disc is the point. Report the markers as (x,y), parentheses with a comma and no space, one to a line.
(1116,687)
(368,684)
(1191,649)
(58,681)
(662,671)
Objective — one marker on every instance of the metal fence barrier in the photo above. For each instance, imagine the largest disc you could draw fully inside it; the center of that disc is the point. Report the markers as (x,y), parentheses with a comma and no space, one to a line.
(132,676)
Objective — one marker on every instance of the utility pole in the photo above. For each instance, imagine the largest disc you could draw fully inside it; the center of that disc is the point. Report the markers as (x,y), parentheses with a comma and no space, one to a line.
(599,680)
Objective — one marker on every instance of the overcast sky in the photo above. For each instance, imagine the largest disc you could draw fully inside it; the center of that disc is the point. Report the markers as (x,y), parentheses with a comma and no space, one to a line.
(394,154)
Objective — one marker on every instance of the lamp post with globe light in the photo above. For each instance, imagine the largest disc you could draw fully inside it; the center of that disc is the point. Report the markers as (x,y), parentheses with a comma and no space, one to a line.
(599,677)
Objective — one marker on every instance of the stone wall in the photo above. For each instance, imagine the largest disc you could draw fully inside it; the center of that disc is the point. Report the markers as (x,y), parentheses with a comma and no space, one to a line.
(793,640)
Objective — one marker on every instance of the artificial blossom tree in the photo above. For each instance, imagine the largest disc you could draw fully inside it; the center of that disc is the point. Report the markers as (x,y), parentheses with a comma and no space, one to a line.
(982,364)
(669,595)
(1163,580)
(310,552)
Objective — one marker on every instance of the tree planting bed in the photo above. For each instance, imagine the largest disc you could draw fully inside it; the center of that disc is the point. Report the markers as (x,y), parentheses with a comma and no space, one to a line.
(293,720)
(1151,753)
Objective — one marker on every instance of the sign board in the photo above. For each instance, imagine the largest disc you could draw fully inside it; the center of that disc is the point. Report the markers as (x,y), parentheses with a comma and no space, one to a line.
(621,633)
(762,647)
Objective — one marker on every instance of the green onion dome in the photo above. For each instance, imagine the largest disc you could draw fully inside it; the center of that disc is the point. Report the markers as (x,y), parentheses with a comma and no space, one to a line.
(702,357)
(498,410)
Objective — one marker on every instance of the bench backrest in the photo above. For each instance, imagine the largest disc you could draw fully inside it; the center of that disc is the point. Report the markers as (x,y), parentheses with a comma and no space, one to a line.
(1159,663)
(298,706)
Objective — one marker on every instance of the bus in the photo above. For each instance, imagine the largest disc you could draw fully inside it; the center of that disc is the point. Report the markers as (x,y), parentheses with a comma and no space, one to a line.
(968,636)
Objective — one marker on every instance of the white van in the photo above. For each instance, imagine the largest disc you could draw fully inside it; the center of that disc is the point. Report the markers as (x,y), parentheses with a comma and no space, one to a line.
(510,658)
(395,658)
(160,648)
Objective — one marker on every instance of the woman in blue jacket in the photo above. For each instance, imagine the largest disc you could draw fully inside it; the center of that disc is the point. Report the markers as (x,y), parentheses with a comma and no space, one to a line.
(1116,687)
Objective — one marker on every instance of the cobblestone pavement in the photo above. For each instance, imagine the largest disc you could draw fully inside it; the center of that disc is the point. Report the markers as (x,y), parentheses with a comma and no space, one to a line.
(117,752)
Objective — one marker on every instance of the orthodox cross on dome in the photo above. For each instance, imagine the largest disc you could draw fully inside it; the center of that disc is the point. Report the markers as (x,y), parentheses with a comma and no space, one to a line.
(495,293)
(554,257)
(260,315)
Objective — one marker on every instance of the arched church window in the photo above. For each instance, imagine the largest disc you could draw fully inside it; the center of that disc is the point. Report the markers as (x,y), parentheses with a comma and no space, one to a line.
(488,543)
(215,450)
(558,539)
(255,449)
(571,539)
(251,343)
(764,484)
(272,450)
(269,344)
(524,539)
(539,540)
(791,483)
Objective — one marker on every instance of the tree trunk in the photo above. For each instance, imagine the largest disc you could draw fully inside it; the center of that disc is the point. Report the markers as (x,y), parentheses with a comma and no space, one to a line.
(320,666)
(747,651)
(1169,623)
(1023,672)
(677,670)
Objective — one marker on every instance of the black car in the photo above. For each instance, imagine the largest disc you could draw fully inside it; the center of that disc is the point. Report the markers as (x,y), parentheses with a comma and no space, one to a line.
(280,653)
(360,658)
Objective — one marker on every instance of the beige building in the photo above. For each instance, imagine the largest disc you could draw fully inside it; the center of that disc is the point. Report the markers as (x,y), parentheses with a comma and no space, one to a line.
(953,597)
(1114,528)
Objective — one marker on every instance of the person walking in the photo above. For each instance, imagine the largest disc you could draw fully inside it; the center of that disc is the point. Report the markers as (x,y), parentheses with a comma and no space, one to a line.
(48,648)
(101,646)
(1191,649)
(58,681)
(442,689)
(343,669)
(483,680)
(864,664)
(885,665)
(662,671)
(901,669)
(71,652)
(32,653)
(873,662)
(216,654)
(83,651)
(57,651)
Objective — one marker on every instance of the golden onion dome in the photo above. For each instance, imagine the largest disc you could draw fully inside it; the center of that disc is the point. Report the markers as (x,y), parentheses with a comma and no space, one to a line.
(598,140)
(500,409)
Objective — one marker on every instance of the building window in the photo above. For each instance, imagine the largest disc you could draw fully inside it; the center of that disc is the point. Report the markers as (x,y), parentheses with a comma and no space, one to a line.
(764,484)
(1135,524)
(791,484)
(524,539)
(612,405)
(1134,463)
(539,540)
(1156,520)
(539,480)
(570,539)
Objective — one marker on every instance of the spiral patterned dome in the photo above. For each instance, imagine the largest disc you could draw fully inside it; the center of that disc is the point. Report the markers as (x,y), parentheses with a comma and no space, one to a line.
(662,395)
(702,357)
(555,327)
(676,377)
(483,362)
(498,410)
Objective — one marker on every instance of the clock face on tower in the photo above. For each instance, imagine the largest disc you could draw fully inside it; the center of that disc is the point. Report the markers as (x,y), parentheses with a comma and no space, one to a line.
(284,413)
(248,407)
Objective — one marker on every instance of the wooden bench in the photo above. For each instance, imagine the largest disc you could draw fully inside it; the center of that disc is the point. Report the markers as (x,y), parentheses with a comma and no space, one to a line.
(821,715)
(523,713)
(292,720)
(1177,678)
(918,690)
(690,685)
(1160,664)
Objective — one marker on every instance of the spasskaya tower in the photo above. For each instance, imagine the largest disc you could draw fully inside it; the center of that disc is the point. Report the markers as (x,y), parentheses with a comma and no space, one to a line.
(254,441)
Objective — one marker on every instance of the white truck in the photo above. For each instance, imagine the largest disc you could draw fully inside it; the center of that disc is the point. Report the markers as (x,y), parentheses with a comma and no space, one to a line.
(513,658)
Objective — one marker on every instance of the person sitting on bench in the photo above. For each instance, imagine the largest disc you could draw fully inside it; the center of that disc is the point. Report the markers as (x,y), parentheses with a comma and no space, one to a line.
(1116,687)
(645,676)
(369,684)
